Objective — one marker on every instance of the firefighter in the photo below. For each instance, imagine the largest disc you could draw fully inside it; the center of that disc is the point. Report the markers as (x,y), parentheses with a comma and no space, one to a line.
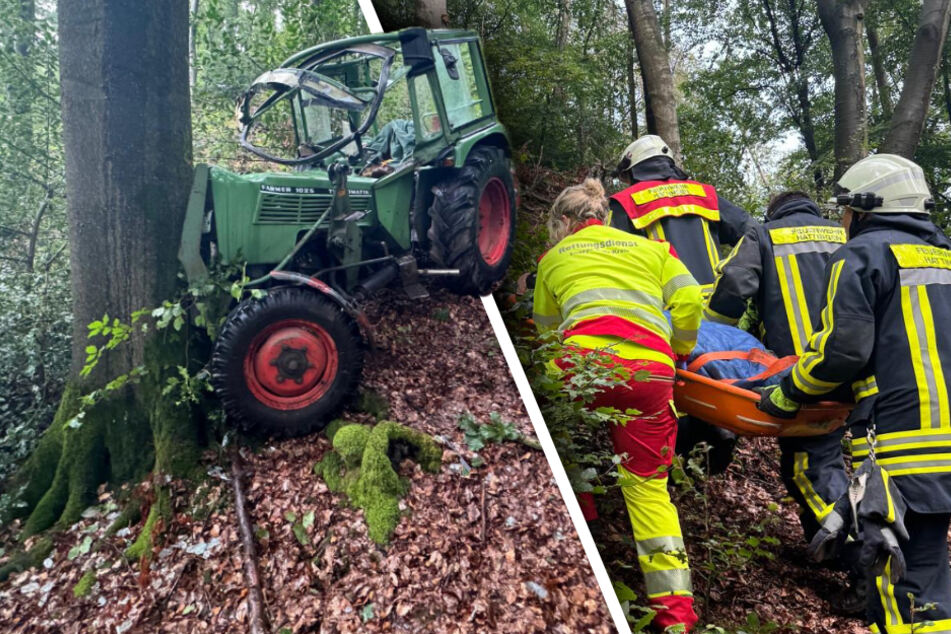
(780,266)
(607,290)
(885,289)
(663,204)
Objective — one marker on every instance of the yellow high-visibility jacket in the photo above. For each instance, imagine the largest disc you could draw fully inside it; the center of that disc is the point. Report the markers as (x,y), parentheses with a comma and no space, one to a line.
(602,284)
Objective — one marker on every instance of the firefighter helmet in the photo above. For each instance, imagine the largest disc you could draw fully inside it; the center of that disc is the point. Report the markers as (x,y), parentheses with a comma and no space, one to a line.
(641,149)
(885,184)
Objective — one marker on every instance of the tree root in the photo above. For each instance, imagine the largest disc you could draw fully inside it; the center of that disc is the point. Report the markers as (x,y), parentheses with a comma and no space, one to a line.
(257,623)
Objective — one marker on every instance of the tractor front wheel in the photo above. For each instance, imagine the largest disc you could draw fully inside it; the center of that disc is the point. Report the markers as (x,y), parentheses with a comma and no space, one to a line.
(282,365)
(473,222)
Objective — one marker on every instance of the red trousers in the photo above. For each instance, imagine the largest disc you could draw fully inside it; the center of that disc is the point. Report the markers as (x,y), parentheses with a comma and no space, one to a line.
(645,436)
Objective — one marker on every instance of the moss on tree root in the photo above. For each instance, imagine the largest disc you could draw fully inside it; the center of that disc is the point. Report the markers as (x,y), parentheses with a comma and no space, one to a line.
(361,466)
(27,559)
(123,437)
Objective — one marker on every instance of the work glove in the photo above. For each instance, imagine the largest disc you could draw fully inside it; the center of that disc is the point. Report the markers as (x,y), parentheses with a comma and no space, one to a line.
(775,403)
(879,544)
(881,512)
(833,531)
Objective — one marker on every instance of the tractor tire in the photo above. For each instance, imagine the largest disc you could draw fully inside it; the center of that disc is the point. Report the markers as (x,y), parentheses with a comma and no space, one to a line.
(473,222)
(284,364)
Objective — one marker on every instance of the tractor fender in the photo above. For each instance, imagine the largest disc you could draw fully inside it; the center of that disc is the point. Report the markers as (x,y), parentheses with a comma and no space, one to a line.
(366,330)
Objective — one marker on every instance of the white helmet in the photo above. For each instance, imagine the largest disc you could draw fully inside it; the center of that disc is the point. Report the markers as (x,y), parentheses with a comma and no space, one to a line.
(641,149)
(885,184)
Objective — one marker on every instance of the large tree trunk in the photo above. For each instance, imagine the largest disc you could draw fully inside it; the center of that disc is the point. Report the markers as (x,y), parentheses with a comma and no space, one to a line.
(842,22)
(878,66)
(659,97)
(127,136)
(908,120)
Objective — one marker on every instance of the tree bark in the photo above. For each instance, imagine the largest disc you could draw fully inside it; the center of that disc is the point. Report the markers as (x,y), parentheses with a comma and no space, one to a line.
(632,87)
(908,120)
(432,14)
(192,44)
(127,137)
(659,96)
(842,22)
(878,66)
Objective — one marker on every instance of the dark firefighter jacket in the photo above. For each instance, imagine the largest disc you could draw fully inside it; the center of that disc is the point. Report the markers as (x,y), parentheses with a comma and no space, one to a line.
(888,292)
(781,264)
(663,205)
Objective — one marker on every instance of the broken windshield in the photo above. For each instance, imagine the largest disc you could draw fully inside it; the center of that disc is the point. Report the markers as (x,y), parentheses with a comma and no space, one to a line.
(303,115)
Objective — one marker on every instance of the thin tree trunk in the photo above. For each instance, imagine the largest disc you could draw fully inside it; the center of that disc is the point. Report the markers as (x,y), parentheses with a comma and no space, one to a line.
(947,92)
(632,87)
(842,22)
(878,66)
(432,14)
(908,121)
(192,44)
(659,97)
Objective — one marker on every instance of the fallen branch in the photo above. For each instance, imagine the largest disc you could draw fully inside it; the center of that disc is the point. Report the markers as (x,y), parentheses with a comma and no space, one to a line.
(252,579)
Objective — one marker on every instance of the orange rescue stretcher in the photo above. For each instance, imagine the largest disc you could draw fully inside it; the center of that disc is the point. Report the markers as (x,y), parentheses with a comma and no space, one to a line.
(724,405)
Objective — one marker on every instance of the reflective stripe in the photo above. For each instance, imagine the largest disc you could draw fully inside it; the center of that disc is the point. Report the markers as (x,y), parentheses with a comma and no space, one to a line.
(934,360)
(917,465)
(661,582)
(611,295)
(864,388)
(685,335)
(802,376)
(656,231)
(546,320)
(810,385)
(801,463)
(676,283)
(794,301)
(666,544)
(805,247)
(706,290)
(713,315)
(712,253)
(886,591)
(901,445)
(654,215)
(918,277)
(638,315)
(929,376)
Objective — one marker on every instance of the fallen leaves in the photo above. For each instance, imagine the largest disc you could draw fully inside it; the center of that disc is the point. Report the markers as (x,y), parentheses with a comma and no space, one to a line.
(491,551)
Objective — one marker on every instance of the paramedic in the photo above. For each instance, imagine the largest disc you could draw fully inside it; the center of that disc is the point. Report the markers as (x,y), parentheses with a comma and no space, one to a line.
(885,290)
(607,291)
(780,265)
(663,204)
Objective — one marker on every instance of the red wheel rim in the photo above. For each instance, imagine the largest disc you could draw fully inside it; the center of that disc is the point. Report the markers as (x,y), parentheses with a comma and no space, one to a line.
(495,219)
(290,364)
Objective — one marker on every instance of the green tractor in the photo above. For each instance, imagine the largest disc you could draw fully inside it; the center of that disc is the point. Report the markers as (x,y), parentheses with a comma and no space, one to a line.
(399,173)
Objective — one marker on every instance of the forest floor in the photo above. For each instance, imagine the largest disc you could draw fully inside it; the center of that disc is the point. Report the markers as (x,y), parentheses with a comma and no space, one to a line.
(487,550)
(746,550)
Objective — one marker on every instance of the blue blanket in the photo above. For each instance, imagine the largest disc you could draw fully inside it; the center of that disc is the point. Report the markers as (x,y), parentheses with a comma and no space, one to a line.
(714,337)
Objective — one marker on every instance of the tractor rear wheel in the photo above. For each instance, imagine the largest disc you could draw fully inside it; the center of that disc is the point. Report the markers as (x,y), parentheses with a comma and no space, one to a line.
(473,222)
(282,365)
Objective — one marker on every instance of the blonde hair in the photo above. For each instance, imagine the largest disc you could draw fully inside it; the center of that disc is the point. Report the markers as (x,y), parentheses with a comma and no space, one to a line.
(577,203)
